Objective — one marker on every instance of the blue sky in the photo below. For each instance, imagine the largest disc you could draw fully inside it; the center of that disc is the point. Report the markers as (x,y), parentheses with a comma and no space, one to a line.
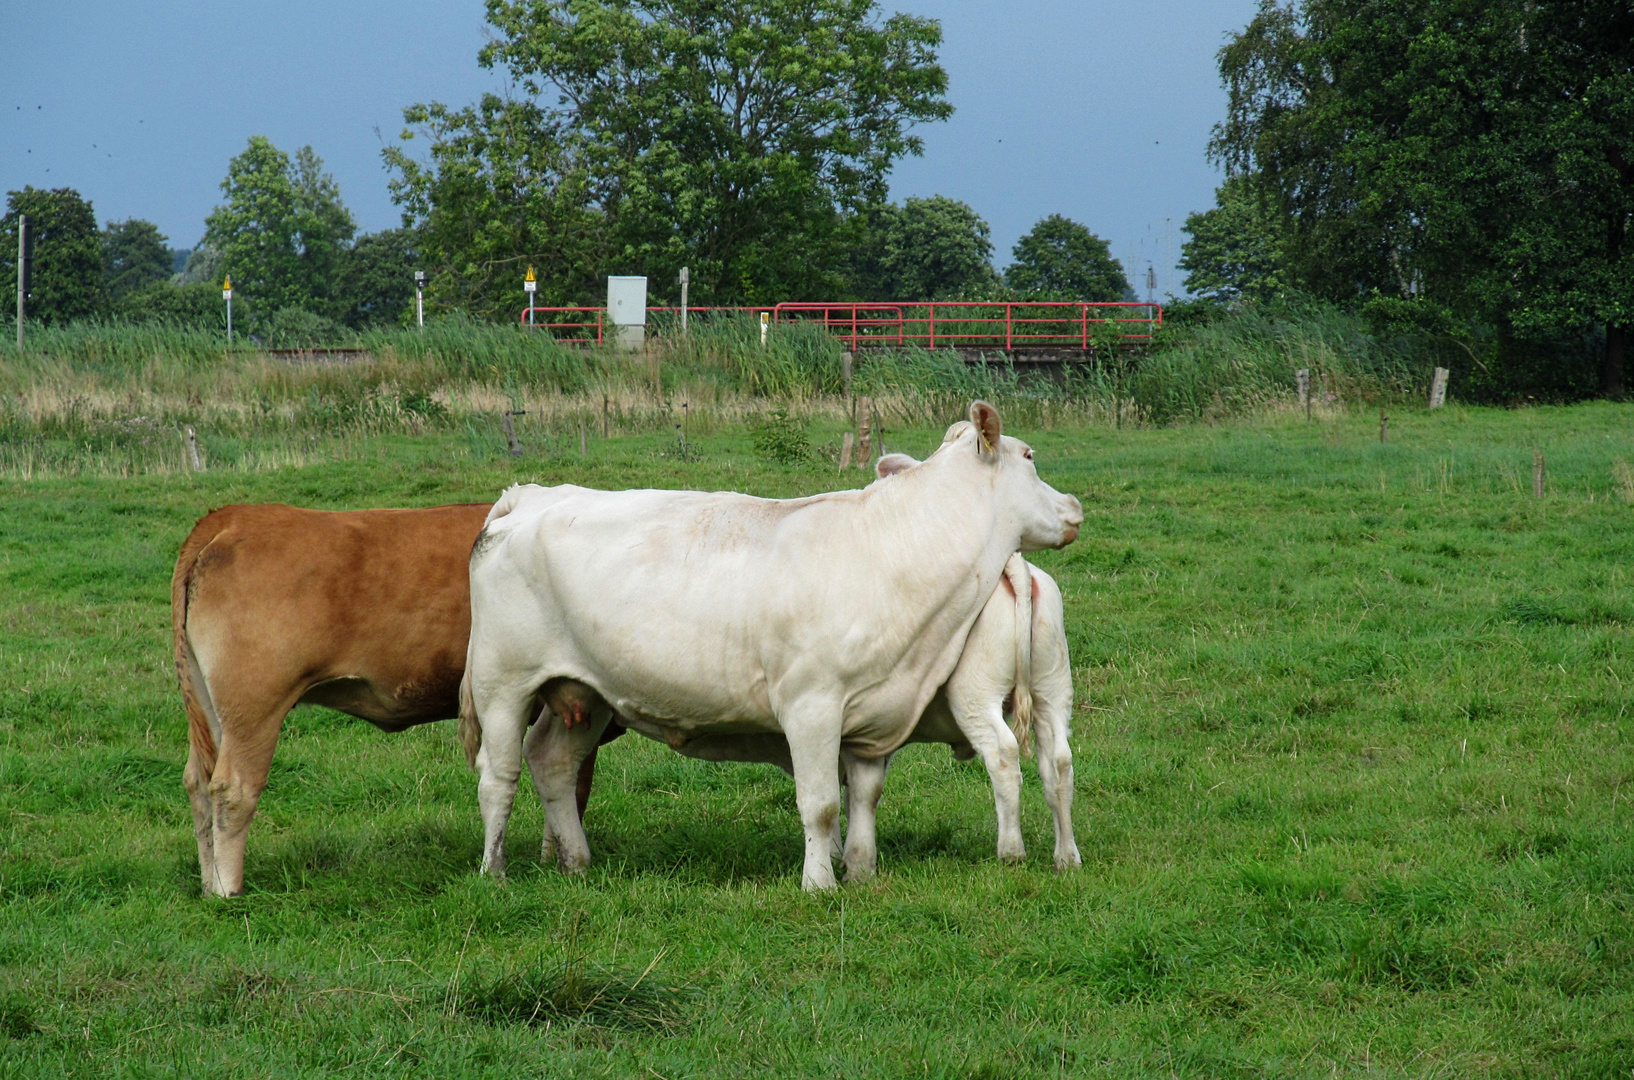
(1095,110)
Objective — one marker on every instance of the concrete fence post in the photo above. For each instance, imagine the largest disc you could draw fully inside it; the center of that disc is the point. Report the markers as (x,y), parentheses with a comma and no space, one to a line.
(1438,388)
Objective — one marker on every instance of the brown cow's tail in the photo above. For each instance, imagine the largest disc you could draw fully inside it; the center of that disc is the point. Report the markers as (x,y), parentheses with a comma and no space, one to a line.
(199,736)
(1019,574)
(470,730)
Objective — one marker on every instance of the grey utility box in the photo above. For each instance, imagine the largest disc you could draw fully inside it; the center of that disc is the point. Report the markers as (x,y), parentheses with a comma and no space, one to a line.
(627,304)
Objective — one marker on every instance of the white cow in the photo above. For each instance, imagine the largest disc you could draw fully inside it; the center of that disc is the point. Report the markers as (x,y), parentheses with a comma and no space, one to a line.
(831,619)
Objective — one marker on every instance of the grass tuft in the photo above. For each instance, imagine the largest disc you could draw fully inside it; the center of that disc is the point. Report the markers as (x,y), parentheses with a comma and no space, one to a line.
(573,993)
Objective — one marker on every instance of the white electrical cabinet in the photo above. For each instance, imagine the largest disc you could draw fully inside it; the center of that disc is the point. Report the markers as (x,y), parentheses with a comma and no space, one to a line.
(627,300)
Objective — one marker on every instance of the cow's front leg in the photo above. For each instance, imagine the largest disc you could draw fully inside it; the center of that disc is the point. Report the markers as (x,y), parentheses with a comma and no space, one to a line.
(813,731)
(864,783)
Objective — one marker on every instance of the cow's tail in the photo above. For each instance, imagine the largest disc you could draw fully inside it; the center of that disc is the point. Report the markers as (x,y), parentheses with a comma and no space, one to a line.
(199,737)
(470,730)
(507,501)
(1020,577)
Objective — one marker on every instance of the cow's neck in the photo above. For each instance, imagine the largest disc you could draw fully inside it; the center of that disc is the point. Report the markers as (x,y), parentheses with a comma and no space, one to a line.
(936,532)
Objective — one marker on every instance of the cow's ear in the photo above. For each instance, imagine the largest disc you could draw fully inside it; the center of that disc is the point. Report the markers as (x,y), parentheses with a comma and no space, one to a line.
(891,464)
(986,420)
(955,430)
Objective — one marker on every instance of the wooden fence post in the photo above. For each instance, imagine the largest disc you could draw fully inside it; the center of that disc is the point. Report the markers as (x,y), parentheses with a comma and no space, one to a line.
(584,443)
(1438,388)
(845,450)
(1384,425)
(510,432)
(604,417)
(1303,378)
(1538,475)
(193,449)
(865,408)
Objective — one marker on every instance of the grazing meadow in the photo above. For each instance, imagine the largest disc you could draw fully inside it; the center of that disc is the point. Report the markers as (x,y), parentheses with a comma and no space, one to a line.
(1352,740)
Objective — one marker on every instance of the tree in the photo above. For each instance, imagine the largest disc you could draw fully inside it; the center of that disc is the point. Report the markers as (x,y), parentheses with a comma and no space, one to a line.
(135,254)
(926,249)
(67,270)
(376,280)
(736,137)
(503,190)
(1062,260)
(1235,250)
(282,229)
(1477,155)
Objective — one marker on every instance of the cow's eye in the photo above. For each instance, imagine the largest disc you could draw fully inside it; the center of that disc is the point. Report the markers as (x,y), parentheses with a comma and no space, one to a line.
(1028,453)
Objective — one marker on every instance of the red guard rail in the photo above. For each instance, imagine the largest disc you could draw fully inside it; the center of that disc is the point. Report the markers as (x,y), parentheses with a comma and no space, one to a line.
(975,324)
(951,324)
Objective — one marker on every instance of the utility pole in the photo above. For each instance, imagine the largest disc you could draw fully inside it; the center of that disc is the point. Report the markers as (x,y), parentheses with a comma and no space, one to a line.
(420,299)
(530,285)
(686,279)
(227,295)
(25,267)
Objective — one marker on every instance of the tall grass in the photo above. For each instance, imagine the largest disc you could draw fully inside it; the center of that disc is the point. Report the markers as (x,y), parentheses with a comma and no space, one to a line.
(116,399)
(1245,362)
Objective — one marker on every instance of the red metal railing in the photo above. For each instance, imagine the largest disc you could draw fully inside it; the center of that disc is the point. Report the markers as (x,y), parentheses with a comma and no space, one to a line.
(971,324)
(978,324)
(586,324)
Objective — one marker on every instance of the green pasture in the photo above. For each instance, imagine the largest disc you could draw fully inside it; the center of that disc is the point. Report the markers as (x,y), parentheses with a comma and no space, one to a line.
(1353,794)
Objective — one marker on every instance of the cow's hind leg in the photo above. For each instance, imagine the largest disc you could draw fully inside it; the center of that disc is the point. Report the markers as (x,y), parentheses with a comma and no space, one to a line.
(502,713)
(249,734)
(1052,711)
(981,721)
(556,753)
(864,783)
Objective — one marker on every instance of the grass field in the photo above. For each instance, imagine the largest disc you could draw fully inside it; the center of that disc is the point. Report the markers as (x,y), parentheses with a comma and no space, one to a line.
(1353,757)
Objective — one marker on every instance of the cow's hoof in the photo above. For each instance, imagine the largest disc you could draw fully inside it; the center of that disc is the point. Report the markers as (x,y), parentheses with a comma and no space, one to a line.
(819,882)
(1068,860)
(1011,856)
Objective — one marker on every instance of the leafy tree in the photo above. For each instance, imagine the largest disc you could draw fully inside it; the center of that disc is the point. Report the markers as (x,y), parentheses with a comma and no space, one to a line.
(282,230)
(502,191)
(67,270)
(376,280)
(1475,154)
(737,137)
(926,249)
(1235,250)
(135,254)
(203,265)
(1062,260)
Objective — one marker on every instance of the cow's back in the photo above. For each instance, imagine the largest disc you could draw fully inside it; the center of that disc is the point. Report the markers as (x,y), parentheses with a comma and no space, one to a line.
(367,611)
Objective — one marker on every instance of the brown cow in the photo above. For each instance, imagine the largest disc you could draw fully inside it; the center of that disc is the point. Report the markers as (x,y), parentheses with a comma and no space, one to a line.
(365,611)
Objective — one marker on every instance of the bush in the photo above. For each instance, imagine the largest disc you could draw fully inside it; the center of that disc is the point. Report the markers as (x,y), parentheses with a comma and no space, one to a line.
(196,305)
(782,438)
(297,328)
